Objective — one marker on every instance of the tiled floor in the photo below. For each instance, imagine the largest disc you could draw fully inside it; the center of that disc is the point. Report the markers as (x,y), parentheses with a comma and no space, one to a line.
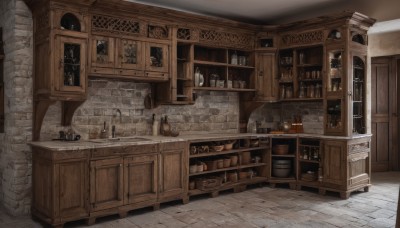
(262,207)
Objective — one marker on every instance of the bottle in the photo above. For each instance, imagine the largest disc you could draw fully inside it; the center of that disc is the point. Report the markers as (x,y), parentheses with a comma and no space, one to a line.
(166,127)
(162,126)
(234,58)
(155,125)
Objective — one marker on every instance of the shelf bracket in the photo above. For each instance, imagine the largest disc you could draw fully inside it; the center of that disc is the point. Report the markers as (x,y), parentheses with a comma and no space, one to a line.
(40,109)
(68,109)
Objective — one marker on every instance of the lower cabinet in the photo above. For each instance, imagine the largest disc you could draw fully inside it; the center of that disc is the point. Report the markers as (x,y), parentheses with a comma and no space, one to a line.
(173,171)
(106,184)
(140,178)
(60,184)
(346,166)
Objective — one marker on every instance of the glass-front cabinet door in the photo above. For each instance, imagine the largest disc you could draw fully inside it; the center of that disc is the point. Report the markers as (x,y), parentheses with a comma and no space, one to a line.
(102,51)
(129,54)
(71,69)
(157,57)
(334,117)
(358,95)
(336,74)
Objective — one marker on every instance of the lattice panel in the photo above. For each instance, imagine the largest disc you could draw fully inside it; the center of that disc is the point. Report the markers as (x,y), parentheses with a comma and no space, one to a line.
(158,32)
(303,38)
(225,39)
(114,25)
(187,34)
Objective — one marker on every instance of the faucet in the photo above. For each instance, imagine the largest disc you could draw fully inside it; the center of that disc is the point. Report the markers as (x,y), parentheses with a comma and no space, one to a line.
(113,126)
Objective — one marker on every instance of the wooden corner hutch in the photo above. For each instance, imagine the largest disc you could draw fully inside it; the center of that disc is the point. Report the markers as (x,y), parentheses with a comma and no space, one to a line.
(319,60)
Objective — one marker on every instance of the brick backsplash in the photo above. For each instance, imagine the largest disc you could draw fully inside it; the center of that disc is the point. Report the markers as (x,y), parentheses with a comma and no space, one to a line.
(271,114)
(215,112)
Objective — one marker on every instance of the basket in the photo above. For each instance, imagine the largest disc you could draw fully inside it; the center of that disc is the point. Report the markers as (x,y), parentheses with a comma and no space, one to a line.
(243,175)
(281,149)
(233,177)
(220,163)
(208,183)
(227,162)
(229,145)
(234,160)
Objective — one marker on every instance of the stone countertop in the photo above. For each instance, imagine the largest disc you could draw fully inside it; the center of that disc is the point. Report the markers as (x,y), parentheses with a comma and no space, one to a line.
(144,140)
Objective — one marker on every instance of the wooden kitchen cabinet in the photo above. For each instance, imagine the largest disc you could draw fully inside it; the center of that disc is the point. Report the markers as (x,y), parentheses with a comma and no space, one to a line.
(266,78)
(141,179)
(60,184)
(106,184)
(346,166)
(173,170)
(334,163)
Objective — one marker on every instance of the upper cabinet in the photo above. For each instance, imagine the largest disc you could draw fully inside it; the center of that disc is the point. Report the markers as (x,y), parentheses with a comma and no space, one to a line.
(346,56)
(61,40)
(129,48)
(301,73)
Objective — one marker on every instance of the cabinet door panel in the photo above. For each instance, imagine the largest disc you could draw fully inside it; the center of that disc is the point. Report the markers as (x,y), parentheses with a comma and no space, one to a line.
(129,54)
(141,176)
(157,57)
(172,172)
(73,188)
(106,184)
(266,82)
(70,64)
(102,52)
(334,162)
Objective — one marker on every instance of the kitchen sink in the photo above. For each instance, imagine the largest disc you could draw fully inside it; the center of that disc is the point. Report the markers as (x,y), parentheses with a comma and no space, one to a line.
(120,139)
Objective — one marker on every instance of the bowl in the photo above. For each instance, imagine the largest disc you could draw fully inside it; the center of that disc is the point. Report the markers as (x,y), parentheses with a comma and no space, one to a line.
(217,148)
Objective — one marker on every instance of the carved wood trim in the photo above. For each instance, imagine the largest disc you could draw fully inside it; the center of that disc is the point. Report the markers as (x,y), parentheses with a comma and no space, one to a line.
(188,34)
(157,31)
(354,148)
(115,25)
(226,39)
(303,38)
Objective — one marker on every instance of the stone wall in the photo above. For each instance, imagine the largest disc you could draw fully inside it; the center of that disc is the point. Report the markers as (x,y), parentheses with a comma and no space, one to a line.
(213,112)
(16,21)
(271,114)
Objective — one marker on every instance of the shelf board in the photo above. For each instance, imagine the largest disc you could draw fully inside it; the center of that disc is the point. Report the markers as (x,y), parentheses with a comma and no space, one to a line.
(181,59)
(228,152)
(302,99)
(251,165)
(184,79)
(284,155)
(285,81)
(208,63)
(228,185)
(282,179)
(224,89)
(240,66)
(310,65)
(311,80)
(314,184)
(308,161)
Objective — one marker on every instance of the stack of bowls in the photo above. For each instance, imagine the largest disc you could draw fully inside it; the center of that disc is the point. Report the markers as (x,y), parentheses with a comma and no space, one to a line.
(281,168)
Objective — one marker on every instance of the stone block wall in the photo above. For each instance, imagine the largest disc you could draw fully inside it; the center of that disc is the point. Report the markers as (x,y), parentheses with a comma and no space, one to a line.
(271,114)
(15,157)
(215,112)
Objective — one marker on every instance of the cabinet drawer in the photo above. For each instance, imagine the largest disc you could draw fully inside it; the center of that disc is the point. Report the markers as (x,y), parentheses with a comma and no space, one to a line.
(141,149)
(172,146)
(101,70)
(159,75)
(107,151)
(133,73)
